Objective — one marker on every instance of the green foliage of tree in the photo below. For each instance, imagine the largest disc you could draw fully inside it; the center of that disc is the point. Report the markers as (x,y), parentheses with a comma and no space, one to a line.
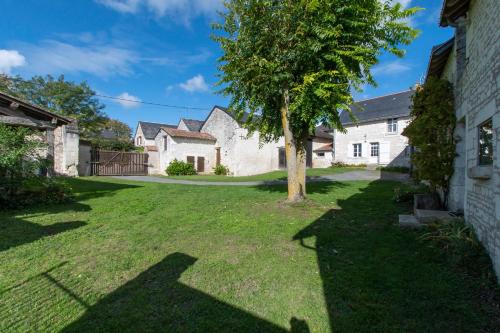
(113,135)
(296,62)
(431,132)
(19,151)
(75,100)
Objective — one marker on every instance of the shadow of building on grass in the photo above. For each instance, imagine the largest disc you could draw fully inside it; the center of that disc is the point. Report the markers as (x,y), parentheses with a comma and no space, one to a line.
(155,301)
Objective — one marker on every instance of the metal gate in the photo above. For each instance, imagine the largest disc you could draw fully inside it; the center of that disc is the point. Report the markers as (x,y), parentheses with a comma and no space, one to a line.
(118,163)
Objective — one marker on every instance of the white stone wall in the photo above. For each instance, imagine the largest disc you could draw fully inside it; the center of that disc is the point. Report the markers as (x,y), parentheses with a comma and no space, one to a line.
(392,146)
(321,161)
(477,98)
(66,150)
(241,154)
(145,142)
(182,126)
(181,148)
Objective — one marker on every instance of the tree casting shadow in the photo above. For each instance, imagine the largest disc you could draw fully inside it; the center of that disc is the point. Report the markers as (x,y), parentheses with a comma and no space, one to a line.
(15,231)
(155,301)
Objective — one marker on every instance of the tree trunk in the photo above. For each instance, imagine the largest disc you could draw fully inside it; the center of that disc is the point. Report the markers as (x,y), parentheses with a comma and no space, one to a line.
(295,158)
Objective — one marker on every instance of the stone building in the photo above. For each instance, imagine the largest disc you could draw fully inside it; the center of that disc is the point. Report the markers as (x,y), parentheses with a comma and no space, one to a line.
(471,62)
(60,133)
(222,140)
(375,137)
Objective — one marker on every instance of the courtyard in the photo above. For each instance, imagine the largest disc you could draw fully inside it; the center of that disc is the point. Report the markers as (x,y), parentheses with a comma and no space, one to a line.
(131,256)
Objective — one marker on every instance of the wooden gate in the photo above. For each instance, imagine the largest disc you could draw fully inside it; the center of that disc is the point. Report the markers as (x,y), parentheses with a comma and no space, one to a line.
(118,163)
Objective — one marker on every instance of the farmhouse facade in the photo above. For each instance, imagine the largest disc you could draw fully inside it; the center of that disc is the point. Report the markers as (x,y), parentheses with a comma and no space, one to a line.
(60,134)
(470,61)
(374,136)
(222,140)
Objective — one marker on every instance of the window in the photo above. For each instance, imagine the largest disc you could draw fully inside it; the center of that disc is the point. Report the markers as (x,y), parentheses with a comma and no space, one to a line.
(374,147)
(139,140)
(486,143)
(392,125)
(165,143)
(357,149)
(321,154)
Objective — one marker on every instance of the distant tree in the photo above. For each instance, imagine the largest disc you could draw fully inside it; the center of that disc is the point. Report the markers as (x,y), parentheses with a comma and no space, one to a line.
(296,62)
(76,100)
(431,132)
(113,135)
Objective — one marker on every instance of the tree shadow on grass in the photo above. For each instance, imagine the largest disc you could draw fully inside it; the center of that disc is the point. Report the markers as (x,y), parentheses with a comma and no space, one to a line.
(322,187)
(16,231)
(378,278)
(155,301)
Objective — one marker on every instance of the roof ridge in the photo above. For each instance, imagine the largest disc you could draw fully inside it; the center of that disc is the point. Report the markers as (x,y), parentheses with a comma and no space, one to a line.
(391,94)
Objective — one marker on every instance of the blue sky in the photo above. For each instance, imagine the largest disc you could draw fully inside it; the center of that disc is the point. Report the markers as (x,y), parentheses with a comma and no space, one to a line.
(158,51)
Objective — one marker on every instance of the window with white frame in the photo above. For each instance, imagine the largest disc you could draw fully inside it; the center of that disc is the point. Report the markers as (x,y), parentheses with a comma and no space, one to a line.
(356,149)
(139,140)
(165,143)
(486,143)
(392,125)
(374,149)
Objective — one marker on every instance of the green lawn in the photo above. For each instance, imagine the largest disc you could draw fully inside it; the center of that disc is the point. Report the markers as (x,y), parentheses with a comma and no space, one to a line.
(143,257)
(269,176)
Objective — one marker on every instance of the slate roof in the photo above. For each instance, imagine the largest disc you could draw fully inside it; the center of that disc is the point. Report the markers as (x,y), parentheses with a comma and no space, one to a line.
(177,133)
(379,108)
(32,110)
(151,129)
(322,132)
(193,124)
(439,56)
(451,10)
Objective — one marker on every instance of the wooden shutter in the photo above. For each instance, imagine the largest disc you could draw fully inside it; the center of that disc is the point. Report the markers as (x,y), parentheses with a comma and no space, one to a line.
(201,164)
(190,160)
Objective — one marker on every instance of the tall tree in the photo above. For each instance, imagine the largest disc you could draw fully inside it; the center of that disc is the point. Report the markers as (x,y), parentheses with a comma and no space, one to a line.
(296,62)
(76,100)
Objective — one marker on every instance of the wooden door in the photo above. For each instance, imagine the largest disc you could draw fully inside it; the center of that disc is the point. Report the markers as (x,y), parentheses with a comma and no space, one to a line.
(217,156)
(201,164)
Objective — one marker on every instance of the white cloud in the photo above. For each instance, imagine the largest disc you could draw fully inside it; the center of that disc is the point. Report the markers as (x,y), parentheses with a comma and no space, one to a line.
(195,84)
(10,59)
(123,6)
(391,68)
(404,3)
(182,10)
(103,60)
(128,101)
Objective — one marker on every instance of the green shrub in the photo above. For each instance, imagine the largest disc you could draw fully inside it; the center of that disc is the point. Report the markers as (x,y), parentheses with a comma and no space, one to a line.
(345,165)
(180,168)
(460,246)
(34,190)
(400,169)
(406,194)
(221,170)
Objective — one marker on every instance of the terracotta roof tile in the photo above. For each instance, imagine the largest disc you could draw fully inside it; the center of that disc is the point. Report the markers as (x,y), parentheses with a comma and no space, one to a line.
(187,134)
(328,147)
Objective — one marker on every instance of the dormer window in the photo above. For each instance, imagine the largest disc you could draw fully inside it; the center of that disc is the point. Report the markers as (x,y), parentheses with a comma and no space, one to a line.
(392,125)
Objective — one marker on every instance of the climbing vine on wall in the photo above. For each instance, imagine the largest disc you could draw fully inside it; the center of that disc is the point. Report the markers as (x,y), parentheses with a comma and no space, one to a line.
(431,132)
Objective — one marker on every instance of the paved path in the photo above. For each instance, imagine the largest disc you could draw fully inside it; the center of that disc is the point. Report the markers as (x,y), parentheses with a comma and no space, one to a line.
(347,176)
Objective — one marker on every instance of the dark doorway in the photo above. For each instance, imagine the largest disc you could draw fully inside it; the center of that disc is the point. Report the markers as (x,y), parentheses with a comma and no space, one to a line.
(190,160)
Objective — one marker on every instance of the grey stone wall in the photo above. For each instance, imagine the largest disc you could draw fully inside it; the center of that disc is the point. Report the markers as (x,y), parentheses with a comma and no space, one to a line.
(477,98)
